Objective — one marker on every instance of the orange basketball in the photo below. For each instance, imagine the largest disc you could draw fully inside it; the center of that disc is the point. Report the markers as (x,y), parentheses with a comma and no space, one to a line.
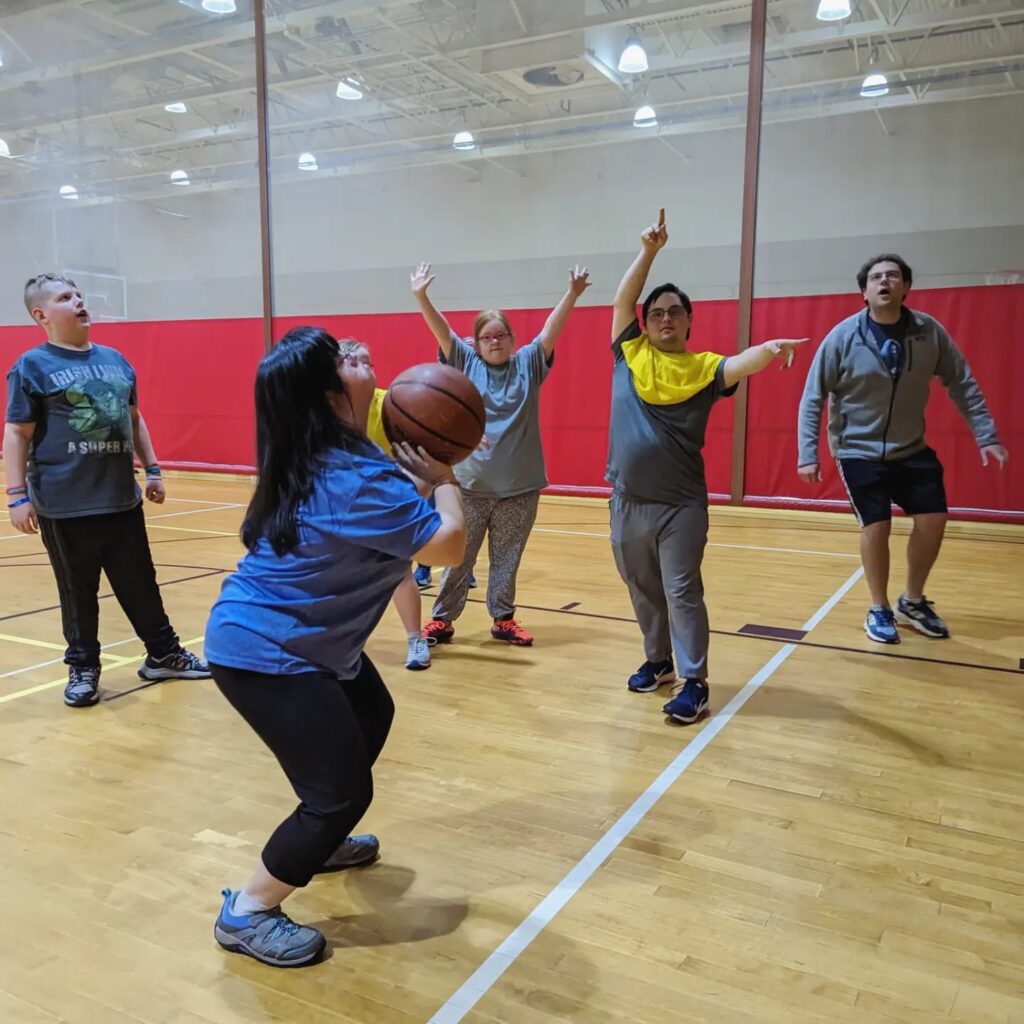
(435,406)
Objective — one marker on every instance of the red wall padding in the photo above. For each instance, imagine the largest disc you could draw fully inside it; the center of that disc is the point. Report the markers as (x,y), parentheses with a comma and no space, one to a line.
(986,324)
(195,386)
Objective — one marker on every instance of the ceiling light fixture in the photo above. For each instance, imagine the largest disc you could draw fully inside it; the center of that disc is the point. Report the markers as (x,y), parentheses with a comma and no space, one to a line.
(463,140)
(5,150)
(68,192)
(307,162)
(645,117)
(874,85)
(833,10)
(347,91)
(634,57)
(180,178)
(176,108)
(220,6)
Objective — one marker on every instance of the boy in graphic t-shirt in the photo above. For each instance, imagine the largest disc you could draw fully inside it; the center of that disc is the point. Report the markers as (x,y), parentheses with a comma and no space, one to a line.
(73,429)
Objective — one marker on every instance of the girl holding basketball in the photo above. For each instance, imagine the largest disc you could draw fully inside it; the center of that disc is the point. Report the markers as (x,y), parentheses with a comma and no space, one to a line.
(330,532)
(501,481)
(407,594)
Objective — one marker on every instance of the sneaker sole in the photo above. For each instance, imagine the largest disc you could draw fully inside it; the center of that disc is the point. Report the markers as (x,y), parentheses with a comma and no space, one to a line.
(878,639)
(513,643)
(688,719)
(659,682)
(233,945)
(156,675)
(93,700)
(416,666)
(908,620)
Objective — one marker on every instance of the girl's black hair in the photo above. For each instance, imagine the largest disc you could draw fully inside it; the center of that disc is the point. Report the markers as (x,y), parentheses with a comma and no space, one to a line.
(656,293)
(295,427)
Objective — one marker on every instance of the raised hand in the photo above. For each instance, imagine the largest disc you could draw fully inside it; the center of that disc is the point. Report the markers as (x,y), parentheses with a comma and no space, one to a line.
(579,280)
(421,279)
(656,236)
(997,452)
(785,349)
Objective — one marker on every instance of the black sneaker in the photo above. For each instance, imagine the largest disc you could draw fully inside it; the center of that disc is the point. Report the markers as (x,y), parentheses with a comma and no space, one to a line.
(650,675)
(83,689)
(270,936)
(921,616)
(181,664)
(689,703)
(353,853)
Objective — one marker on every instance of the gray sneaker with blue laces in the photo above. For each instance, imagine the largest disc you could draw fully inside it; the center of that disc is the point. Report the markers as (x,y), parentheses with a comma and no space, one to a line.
(880,625)
(269,936)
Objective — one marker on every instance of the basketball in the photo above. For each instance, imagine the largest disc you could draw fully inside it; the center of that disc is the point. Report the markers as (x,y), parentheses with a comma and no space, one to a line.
(437,407)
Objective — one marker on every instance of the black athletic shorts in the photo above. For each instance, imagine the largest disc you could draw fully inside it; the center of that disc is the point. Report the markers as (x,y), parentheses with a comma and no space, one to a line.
(915,484)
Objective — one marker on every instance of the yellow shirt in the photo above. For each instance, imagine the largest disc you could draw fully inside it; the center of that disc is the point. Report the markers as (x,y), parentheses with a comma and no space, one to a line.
(375,421)
(667,378)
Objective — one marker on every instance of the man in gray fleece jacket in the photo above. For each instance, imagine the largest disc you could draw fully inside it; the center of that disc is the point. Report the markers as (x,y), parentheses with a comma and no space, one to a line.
(876,369)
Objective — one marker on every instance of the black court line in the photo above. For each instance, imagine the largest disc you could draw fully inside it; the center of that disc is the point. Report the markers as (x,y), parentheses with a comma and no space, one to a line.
(135,689)
(569,607)
(799,643)
(105,597)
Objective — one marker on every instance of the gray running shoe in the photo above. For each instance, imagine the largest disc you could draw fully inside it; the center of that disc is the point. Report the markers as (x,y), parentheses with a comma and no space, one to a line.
(353,853)
(418,657)
(83,689)
(181,664)
(270,936)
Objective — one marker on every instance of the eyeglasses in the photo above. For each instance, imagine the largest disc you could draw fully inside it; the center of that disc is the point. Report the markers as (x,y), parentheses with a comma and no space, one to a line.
(504,336)
(672,313)
(885,275)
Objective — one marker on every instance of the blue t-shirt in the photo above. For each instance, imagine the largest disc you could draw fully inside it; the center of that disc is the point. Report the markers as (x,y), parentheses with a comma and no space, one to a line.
(314,608)
(81,459)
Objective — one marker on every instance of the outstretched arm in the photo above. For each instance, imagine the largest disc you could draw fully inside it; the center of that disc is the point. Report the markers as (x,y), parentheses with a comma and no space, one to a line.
(652,240)
(757,357)
(579,282)
(420,280)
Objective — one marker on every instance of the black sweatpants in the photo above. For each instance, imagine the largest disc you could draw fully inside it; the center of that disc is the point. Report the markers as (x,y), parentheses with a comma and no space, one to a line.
(326,734)
(117,543)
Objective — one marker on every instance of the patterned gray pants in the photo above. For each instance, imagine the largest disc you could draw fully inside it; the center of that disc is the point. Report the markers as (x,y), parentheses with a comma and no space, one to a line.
(507,523)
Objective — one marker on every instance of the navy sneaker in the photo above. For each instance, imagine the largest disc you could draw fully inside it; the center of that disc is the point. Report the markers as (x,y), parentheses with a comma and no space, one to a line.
(689,703)
(83,688)
(922,617)
(880,626)
(421,574)
(353,853)
(650,675)
(270,936)
(181,664)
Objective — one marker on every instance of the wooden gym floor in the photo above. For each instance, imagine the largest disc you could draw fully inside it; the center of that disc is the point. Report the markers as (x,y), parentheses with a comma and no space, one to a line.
(842,841)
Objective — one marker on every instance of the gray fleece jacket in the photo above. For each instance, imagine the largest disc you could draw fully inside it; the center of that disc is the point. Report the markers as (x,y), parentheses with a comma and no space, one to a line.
(874,415)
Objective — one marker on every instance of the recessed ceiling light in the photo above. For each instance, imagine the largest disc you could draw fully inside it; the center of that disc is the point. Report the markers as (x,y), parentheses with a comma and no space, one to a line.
(463,140)
(347,91)
(307,162)
(220,6)
(68,192)
(175,108)
(874,85)
(179,178)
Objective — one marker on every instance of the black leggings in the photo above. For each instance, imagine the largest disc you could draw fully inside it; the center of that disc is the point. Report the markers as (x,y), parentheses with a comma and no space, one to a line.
(326,734)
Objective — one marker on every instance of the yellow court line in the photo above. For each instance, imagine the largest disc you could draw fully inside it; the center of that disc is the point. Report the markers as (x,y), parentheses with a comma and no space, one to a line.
(114,659)
(62,681)
(185,529)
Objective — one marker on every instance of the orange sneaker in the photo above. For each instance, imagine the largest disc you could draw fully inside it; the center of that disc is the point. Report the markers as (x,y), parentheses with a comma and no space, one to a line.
(438,631)
(510,631)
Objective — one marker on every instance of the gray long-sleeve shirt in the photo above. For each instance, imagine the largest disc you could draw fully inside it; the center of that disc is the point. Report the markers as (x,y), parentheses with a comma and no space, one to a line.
(874,415)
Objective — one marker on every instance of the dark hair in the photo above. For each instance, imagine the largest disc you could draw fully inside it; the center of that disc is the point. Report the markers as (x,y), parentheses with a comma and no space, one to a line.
(295,427)
(885,257)
(663,289)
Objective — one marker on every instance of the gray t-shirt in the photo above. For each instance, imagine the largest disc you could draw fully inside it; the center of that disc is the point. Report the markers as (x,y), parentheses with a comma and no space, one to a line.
(80,461)
(514,462)
(654,451)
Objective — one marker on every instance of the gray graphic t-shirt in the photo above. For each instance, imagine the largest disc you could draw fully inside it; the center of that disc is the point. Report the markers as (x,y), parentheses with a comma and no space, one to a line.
(80,461)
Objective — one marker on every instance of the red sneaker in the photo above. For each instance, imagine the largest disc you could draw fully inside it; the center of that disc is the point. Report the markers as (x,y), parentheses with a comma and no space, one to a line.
(510,631)
(438,631)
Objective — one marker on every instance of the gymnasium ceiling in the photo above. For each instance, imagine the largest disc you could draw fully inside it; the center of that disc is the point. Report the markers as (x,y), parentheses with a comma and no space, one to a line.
(84,83)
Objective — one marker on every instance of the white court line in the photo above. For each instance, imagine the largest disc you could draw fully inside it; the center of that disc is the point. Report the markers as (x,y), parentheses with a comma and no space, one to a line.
(488,973)
(54,661)
(716,544)
(162,515)
(200,501)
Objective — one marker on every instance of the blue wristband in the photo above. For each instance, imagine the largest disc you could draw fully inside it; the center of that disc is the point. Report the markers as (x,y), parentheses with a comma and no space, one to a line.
(20,501)
(153,470)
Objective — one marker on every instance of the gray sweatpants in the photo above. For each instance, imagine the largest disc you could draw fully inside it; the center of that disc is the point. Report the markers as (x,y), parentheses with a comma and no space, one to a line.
(658,552)
(507,523)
